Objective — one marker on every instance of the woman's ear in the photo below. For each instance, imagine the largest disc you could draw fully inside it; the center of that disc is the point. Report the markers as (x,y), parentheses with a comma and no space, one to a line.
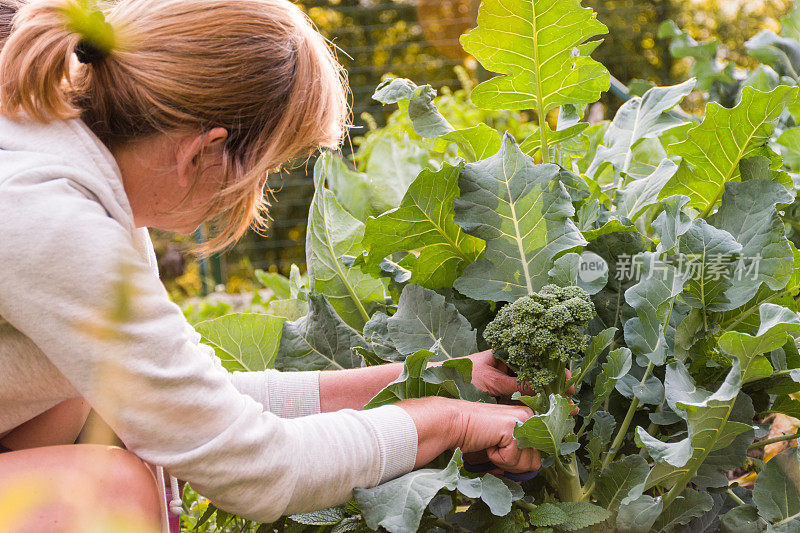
(191,150)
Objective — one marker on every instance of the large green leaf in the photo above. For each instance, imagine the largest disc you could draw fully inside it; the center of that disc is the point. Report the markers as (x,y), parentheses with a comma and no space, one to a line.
(393,162)
(475,143)
(618,479)
(777,491)
(567,271)
(450,379)
(639,515)
(425,321)
(323,517)
(523,215)
(776,323)
(713,472)
(688,505)
(318,341)
(711,159)
(350,188)
(397,505)
(495,492)
(748,213)
(532,42)
(243,341)
(424,223)
(546,431)
(568,516)
(642,193)
(617,249)
(707,419)
(617,365)
(708,256)
(333,233)
(745,318)
(547,514)
(650,392)
(637,119)
(279,284)
(672,222)
(291,309)
(376,332)
(741,519)
(653,298)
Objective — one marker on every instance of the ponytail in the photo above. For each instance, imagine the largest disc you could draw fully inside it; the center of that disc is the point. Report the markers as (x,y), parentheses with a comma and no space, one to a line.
(36,57)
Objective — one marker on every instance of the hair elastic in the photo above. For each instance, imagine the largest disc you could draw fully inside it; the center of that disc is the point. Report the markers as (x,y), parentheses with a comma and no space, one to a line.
(88,53)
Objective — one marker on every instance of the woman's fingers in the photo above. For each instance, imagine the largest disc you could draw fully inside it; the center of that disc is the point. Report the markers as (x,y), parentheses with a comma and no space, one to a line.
(568,376)
(515,460)
(503,385)
(491,375)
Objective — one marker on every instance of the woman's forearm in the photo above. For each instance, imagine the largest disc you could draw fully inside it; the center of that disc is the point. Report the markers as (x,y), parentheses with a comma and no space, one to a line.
(354,387)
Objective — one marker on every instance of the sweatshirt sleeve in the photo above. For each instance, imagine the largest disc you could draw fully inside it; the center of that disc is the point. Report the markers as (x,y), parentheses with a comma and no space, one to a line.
(71,280)
(286,394)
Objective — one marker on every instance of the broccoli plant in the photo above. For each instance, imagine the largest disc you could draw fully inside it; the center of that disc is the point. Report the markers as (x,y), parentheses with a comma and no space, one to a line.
(538,335)
(647,254)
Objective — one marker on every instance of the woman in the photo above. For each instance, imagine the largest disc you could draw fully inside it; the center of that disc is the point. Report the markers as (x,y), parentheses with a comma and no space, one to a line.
(166,114)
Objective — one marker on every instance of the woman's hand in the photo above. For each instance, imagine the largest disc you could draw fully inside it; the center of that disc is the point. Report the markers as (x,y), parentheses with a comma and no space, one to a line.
(444,423)
(491,375)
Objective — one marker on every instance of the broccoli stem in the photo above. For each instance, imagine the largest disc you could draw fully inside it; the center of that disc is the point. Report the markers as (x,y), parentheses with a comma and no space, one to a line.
(569,482)
(557,386)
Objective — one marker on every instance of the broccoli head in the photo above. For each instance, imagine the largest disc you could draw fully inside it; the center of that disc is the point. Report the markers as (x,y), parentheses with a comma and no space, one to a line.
(538,334)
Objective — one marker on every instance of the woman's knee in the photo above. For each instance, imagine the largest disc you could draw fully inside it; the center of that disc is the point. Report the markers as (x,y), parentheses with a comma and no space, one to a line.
(80,484)
(133,480)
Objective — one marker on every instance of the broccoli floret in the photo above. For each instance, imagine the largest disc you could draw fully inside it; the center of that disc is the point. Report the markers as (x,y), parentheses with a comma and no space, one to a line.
(537,335)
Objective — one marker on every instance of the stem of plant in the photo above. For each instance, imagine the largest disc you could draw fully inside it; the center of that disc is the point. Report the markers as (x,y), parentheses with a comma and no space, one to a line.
(762,443)
(623,429)
(569,483)
(735,498)
(620,436)
(525,505)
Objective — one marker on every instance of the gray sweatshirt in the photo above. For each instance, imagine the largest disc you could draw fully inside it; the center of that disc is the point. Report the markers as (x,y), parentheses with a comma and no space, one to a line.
(83,313)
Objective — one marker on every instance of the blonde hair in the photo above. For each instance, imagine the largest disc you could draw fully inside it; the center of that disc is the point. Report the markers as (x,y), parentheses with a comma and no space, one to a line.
(255,67)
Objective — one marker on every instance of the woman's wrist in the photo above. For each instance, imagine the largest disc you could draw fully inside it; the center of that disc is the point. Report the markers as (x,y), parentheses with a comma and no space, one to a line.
(439,427)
